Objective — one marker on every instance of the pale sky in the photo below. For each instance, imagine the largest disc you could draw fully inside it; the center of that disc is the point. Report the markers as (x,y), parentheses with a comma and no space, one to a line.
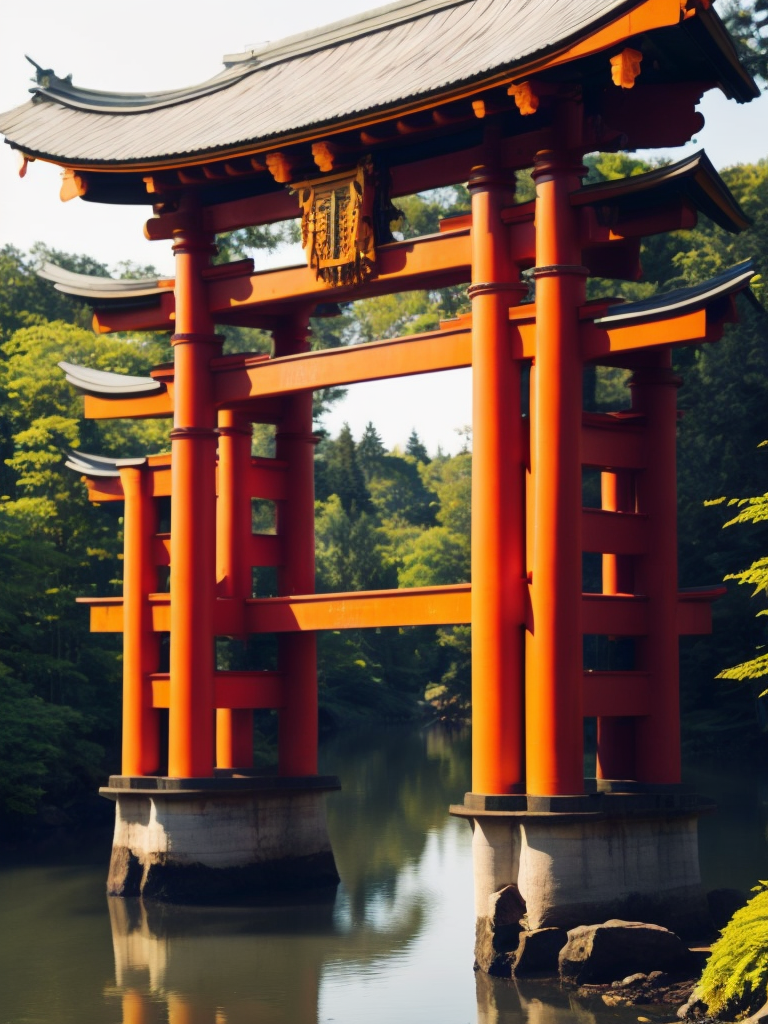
(146,45)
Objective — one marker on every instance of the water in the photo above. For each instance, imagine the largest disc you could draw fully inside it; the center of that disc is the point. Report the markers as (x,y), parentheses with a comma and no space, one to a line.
(396,946)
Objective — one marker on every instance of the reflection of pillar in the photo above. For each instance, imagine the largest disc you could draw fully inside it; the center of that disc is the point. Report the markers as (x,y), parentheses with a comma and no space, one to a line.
(134,1007)
(193,513)
(553,695)
(141,739)
(184,1010)
(498,557)
(234,727)
(616,735)
(654,393)
(297,743)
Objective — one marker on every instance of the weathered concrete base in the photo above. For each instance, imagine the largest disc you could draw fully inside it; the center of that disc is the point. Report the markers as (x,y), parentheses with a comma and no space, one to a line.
(584,860)
(221,840)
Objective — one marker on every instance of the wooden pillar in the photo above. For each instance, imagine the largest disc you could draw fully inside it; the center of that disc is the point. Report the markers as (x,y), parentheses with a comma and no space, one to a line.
(498,530)
(554,666)
(654,393)
(234,530)
(141,736)
(616,734)
(193,511)
(295,445)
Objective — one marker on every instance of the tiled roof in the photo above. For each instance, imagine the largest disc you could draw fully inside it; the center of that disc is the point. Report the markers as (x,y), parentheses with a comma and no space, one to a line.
(374,62)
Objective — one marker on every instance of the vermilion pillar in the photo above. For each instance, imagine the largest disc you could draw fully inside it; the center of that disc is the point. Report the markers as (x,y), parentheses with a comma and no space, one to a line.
(234,530)
(297,740)
(654,393)
(553,695)
(141,738)
(616,734)
(498,533)
(193,512)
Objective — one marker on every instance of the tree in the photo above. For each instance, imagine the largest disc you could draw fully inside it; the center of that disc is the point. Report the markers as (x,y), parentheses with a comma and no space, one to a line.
(339,473)
(747,23)
(415,448)
(752,510)
(370,451)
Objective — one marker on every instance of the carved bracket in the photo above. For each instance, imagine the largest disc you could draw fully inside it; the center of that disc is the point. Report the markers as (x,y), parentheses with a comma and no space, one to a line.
(625,67)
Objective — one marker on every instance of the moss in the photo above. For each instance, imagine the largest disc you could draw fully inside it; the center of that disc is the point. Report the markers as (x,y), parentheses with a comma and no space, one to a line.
(735,980)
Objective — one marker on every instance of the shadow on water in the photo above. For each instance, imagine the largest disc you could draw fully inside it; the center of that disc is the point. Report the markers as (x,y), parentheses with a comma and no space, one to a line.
(395,944)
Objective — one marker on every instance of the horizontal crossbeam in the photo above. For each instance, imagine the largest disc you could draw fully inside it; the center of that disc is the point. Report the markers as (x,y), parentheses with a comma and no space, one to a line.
(602,614)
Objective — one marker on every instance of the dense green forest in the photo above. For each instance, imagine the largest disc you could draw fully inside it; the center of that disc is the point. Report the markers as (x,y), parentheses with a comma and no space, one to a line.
(384,518)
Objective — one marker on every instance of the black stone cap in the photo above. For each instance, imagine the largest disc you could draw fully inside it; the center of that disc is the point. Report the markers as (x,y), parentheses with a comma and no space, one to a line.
(603,799)
(223,783)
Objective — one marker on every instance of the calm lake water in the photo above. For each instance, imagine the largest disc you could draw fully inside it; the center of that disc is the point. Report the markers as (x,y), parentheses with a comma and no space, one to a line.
(394,947)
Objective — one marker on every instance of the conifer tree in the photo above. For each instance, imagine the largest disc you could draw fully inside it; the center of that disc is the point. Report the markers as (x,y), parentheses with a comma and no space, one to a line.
(416,449)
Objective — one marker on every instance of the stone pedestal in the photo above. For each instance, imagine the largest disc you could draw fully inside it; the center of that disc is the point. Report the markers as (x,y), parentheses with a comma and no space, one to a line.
(627,853)
(232,838)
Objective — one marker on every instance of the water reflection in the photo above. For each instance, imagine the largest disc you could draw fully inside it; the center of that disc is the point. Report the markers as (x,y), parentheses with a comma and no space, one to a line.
(395,945)
(540,1002)
(230,965)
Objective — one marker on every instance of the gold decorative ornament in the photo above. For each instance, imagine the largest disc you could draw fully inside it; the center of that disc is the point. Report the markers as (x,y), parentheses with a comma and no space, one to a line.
(337,224)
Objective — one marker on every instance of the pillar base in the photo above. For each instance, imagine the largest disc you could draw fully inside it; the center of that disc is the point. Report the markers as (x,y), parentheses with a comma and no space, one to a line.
(579,860)
(233,838)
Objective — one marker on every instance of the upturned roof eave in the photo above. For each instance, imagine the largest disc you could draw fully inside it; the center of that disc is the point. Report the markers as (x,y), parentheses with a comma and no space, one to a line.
(306,134)
(532,63)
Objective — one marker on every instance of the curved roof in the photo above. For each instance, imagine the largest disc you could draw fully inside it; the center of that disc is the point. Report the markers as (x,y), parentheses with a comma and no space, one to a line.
(108,385)
(393,55)
(681,300)
(91,286)
(693,177)
(97,465)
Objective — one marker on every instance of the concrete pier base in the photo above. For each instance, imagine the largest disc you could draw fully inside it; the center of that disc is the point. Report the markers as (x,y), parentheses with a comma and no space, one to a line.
(227,839)
(559,862)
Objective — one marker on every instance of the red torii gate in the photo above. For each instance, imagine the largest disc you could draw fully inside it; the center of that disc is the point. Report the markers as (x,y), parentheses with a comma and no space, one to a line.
(529,531)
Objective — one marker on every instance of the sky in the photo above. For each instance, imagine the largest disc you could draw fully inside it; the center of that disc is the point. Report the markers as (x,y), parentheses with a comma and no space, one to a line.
(145,45)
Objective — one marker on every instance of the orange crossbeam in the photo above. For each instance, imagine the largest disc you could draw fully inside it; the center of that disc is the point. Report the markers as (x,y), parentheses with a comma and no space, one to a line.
(266,549)
(599,342)
(614,533)
(616,694)
(614,615)
(612,442)
(603,614)
(242,378)
(422,606)
(432,261)
(231,690)
(445,349)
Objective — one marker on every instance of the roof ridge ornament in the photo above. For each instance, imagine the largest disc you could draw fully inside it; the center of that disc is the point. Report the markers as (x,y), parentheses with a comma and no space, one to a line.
(47,78)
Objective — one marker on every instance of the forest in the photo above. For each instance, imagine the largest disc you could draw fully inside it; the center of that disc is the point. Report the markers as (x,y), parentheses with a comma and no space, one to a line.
(398,518)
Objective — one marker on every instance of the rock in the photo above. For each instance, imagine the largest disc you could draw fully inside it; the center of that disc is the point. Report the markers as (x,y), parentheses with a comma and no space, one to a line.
(657,979)
(625,999)
(723,904)
(693,1008)
(607,952)
(631,979)
(759,1017)
(498,934)
(537,951)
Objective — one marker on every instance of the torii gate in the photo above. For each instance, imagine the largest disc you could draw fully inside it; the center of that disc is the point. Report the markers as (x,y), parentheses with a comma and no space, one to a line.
(463,108)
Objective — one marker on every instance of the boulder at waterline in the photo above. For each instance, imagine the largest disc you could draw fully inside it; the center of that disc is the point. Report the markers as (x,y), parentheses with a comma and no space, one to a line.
(596,953)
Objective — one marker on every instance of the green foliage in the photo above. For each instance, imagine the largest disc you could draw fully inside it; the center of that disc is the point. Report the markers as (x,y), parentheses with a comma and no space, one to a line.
(747,22)
(735,980)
